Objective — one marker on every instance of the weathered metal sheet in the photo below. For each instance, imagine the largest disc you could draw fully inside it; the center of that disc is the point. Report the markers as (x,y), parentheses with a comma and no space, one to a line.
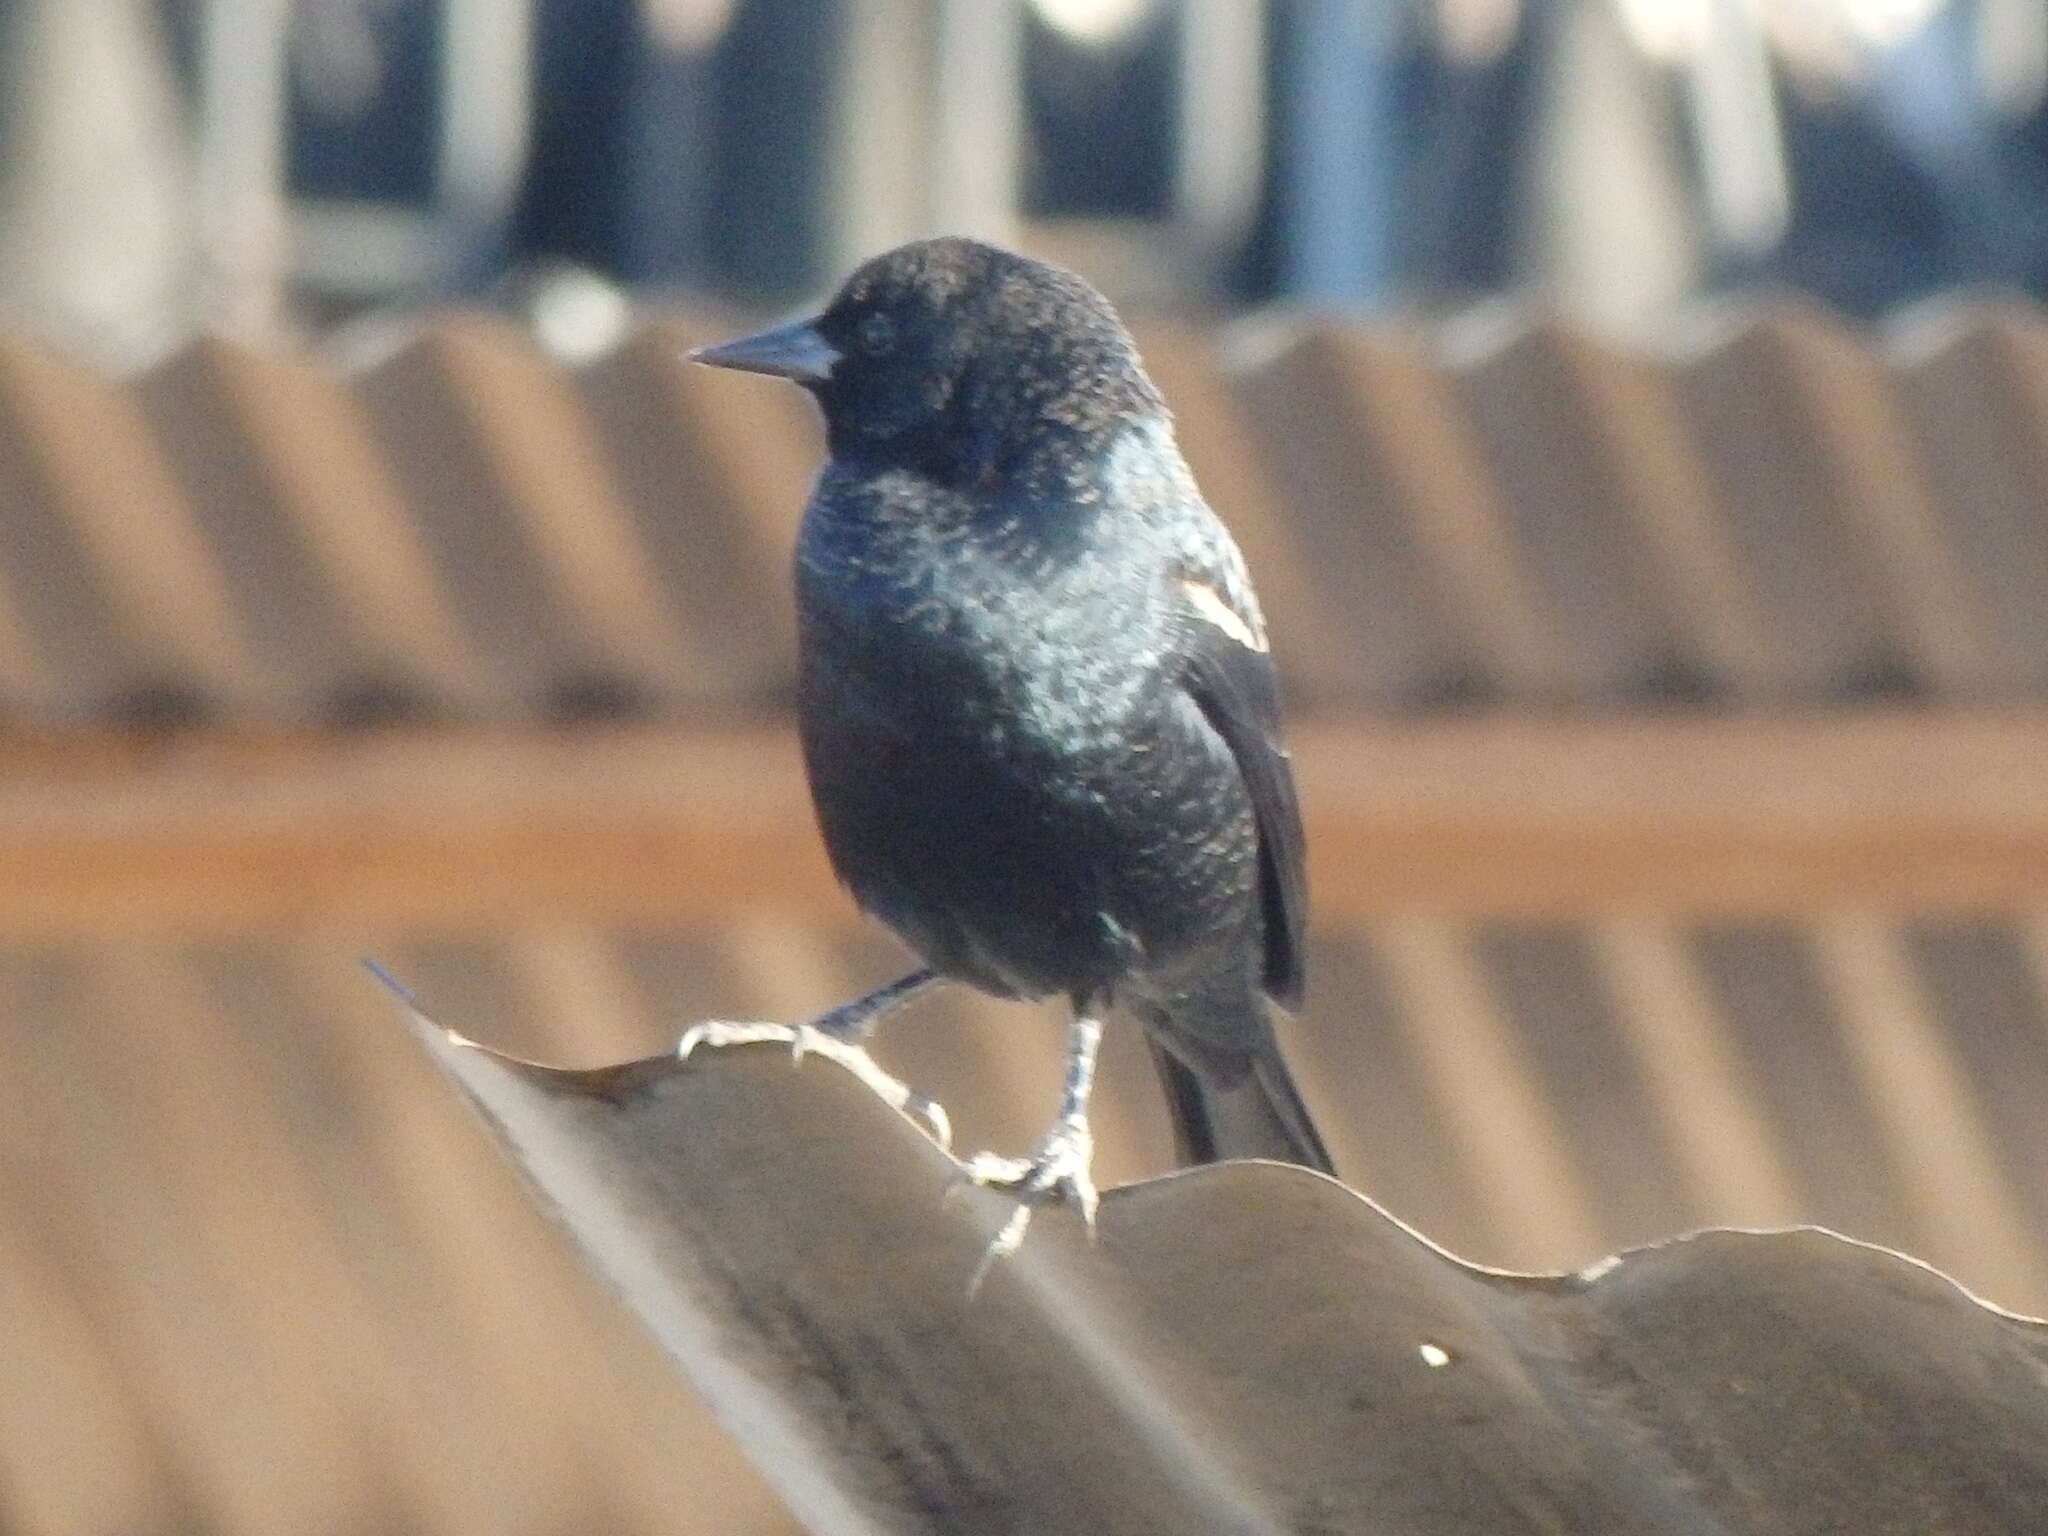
(1246,1348)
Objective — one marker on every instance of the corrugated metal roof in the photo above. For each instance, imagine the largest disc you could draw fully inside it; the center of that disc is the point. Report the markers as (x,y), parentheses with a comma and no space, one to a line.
(1500,508)
(261,1273)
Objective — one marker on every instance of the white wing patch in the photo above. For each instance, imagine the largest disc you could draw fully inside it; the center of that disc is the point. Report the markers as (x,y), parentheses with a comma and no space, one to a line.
(1209,603)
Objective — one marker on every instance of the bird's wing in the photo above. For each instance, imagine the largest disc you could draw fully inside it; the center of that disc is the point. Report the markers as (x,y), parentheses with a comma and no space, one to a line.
(1229,673)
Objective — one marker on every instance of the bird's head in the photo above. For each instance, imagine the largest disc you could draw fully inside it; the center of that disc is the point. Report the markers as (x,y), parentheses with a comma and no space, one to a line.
(961,361)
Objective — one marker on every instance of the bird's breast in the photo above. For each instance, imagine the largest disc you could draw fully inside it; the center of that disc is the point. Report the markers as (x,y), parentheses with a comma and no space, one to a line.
(1026,654)
(1007,771)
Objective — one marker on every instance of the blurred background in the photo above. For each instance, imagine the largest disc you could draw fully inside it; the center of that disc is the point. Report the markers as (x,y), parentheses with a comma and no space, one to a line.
(255,163)
(1635,413)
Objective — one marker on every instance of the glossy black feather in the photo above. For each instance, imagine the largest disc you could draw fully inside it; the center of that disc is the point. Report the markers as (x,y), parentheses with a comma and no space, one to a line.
(1040,722)
(1239,695)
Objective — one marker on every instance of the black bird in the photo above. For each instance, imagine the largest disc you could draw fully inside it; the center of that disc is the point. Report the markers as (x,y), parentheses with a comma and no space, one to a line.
(1037,708)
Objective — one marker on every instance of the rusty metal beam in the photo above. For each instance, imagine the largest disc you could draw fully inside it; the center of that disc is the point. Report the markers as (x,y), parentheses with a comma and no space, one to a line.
(1516,816)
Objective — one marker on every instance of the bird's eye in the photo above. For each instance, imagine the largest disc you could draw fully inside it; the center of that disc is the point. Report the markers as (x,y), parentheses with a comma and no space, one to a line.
(877,335)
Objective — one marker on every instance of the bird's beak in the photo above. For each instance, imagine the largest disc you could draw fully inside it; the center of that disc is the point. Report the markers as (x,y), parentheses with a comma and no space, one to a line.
(794,351)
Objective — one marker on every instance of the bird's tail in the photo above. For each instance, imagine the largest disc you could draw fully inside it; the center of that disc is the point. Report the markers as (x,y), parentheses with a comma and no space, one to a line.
(1259,1115)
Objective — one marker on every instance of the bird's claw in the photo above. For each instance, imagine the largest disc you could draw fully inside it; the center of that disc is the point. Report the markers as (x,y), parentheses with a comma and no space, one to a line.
(716,1034)
(1057,1170)
(804,1040)
(937,1123)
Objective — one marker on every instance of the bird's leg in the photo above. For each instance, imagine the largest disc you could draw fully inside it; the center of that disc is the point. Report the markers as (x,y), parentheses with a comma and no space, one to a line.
(850,1024)
(1060,1165)
(838,1034)
(855,1021)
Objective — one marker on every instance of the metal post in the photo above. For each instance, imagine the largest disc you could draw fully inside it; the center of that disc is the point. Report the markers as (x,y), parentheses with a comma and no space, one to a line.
(926,140)
(1222,137)
(241,211)
(976,118)
(1336,178)
(486,92)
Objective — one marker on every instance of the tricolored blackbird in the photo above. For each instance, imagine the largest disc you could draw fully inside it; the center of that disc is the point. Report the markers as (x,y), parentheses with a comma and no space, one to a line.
(1037,707)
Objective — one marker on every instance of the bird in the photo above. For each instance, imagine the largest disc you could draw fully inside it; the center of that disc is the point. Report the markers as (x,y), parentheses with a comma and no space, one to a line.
(1037,704)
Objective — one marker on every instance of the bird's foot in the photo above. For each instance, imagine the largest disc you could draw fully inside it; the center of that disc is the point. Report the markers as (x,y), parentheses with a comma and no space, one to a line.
(807,1039)
(1057,1170)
